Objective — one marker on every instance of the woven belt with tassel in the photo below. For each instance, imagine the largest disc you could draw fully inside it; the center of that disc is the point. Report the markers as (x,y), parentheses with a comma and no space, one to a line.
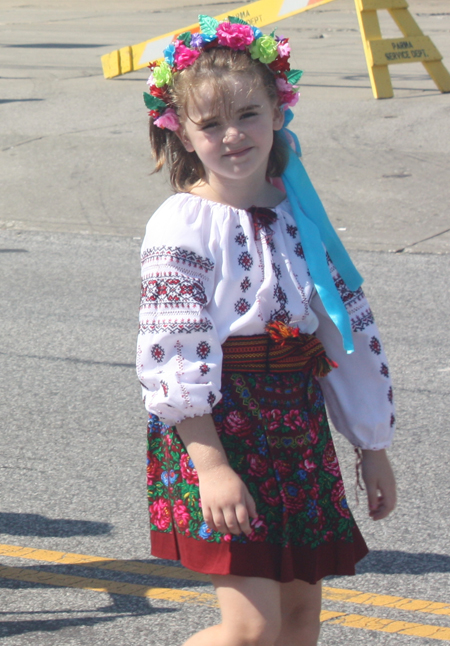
(282,349)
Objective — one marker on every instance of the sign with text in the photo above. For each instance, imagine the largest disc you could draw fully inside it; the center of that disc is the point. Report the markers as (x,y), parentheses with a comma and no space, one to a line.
(380,52)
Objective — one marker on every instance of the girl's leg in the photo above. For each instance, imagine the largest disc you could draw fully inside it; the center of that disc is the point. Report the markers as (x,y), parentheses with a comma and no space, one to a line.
(251,615)
(300,612)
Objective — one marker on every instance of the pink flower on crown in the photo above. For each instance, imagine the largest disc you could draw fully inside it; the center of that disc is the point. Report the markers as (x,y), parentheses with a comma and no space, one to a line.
(168,120)
(286,93)
(234,35)
(284,49)
(184,57)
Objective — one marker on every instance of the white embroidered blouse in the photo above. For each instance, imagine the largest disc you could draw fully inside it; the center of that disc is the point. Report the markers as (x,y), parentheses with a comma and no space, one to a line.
(205,277)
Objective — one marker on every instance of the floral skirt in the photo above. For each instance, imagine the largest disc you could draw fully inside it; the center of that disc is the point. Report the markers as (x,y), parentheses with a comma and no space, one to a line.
(276,436)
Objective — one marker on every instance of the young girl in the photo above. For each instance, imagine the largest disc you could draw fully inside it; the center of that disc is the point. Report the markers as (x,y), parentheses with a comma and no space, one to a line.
(250,310)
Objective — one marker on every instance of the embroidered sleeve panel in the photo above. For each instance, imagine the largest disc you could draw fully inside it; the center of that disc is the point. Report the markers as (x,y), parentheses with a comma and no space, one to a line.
(176,286)
(178,353)
(359,392)
(361,316)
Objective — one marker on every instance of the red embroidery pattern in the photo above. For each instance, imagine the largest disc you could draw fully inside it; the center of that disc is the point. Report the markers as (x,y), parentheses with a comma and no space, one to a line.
(291,230)
(360,322)
(175,327)
(204,369)
(384,370)
(246,284)
(298,250)
(173,292)
(177,255)
(203,349)
(241,239)
(375,345)
(242,306)
(157,353)
(245,260)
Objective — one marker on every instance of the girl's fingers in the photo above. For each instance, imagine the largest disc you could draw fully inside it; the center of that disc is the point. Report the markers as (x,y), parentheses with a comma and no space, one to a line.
(242,515)
(372,497)
(211,519)
(251,506)
(231,521)
(232,524)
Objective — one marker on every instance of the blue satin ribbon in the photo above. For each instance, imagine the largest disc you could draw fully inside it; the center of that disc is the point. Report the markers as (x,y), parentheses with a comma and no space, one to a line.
(318,237)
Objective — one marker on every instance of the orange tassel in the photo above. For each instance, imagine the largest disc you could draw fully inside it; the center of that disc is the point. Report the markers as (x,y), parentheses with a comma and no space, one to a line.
(279,332)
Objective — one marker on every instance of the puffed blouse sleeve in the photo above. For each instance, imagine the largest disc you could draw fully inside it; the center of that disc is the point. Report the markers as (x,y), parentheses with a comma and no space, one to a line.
(358,393)
(179,355)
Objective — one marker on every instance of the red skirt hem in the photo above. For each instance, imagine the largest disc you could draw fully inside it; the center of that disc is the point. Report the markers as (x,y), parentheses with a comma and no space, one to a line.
(283,564)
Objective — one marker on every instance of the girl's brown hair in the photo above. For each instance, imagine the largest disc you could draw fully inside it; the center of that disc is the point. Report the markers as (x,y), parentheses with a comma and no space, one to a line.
(213,67)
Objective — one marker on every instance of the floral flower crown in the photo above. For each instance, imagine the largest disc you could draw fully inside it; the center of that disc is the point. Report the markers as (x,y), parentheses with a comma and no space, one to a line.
(234,33)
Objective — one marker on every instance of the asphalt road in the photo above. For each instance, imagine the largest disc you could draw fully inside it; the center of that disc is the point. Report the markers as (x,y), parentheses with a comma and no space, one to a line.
(72,428)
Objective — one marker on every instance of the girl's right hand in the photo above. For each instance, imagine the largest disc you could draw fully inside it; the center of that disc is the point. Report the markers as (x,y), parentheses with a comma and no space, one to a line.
(227,505)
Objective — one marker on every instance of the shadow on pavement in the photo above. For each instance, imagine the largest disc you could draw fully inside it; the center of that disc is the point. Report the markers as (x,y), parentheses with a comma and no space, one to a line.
(12,628)
(397,562)
(36,525)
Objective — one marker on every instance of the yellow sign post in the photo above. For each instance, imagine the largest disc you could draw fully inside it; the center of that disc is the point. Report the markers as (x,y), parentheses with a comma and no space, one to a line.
(260,13)
(381,52)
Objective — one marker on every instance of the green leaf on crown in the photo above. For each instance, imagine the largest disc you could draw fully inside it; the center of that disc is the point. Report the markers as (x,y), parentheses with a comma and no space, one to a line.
(294,76)
(185,37)
(153,103)
(236,21)
(208,25)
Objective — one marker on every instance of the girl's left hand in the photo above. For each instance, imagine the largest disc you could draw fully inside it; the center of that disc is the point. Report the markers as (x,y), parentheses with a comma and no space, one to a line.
(380,483)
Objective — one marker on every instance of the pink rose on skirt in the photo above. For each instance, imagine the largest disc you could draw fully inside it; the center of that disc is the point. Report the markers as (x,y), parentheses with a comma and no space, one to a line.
(330,461)
(313,434)
(270,492)
(237,424)
(293,496)
(339,499)
(274,419)
(181,515)
(259,531)
(283,467)
(308,464)
(160,514)
(293,420)
(153,469)
(234,35)
(188,471)
(257,465)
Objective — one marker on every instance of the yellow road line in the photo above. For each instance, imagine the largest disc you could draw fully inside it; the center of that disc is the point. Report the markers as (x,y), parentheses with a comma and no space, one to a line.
(104,585)
(137,567)
(393,627)
(115,565)
(32,575)
(203,599)
(386,601)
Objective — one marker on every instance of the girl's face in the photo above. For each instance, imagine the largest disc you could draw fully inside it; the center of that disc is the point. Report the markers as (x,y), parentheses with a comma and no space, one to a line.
(233,137)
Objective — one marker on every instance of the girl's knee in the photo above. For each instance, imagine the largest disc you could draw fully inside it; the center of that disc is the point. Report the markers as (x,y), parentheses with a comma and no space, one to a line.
(264,633)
